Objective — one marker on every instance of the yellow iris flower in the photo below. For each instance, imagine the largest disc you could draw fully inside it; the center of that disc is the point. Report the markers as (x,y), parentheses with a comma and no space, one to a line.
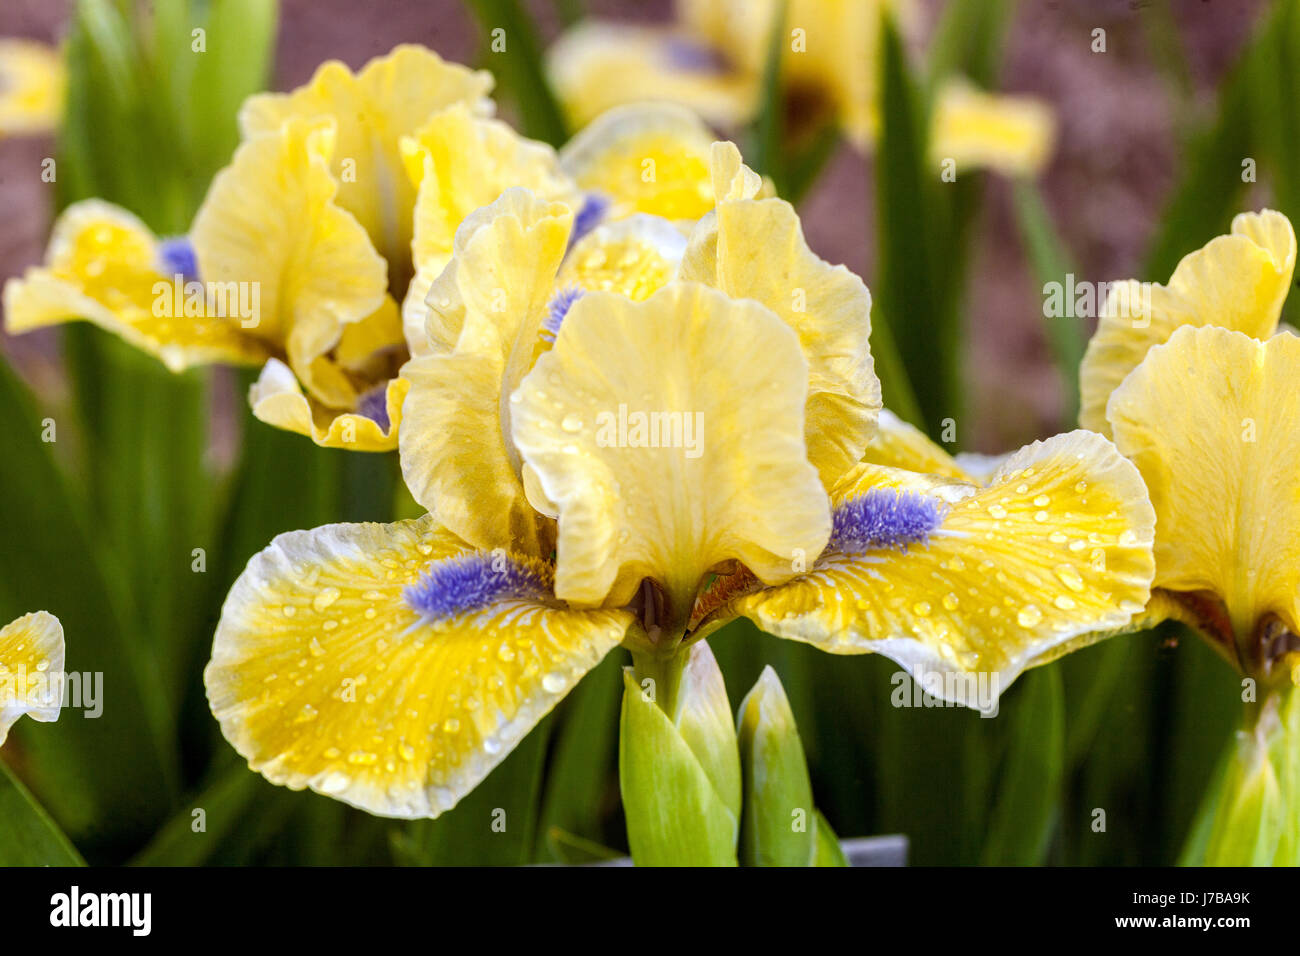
(1197,385)
(31,87)
(31,669)
(344,200)
(630,436)
(713,58)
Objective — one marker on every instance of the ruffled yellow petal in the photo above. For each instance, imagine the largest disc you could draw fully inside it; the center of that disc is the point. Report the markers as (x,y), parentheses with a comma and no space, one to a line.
(270,219)
(391,97)
(31,669)
(482,337)
(277,399)
(1054,554)
(897,444)
(1212,420)
(1238,281)
(459,163)
(31,87)
(649,157)
(1011,135)
(103,266)
(755,249)
(597,66)
(322,676)
(660,464)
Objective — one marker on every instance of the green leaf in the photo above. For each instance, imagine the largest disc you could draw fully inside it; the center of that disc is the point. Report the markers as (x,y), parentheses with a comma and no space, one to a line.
(1029,792)
(581,777)
(767,155)
(674,816)
(910,283)
(572,849)
(1051,262)
(54,563)
(28,837)
(520,69)
(968,40)
(779,822)
(494,825)
(224,803)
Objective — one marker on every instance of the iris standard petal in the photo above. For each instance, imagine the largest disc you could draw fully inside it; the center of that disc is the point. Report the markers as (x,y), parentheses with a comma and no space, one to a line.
(1212,420)
(755,249)
(270,220)
(645,157)
(1011,135)
(392,96)
(669,435)
(391,666)
(1238,281)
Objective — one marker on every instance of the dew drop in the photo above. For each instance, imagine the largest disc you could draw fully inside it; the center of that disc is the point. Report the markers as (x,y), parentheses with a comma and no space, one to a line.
(325,598)
(1069,577)
(1029,616)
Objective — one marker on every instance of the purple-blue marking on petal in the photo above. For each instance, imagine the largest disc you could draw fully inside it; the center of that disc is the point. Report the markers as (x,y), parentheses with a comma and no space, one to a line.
(374,405)
(470,582)
(885,518)
(591,215)
(176,257)
(558,308)
(693,57)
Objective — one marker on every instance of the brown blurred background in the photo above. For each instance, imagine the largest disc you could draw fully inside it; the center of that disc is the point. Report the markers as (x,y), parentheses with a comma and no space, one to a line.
(1119,115)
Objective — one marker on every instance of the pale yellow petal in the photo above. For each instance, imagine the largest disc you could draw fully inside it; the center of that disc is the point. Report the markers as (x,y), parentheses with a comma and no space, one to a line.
(103,265)
(669,434)
(31,669)
(597,66)
(755,249)
(277,399)
(457,460)
(32,80)
(270,220)
(1212,419)
(635,256)
(646,157)
(1054,553)
(391,97)
(1238,281)
(1011,135)
(323,676)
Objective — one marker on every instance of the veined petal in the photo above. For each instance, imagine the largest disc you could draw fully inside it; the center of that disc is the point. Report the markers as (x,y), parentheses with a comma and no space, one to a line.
(1012,135)
(755,249)
(391,666)
(646,157)
(660,466)
(31,87)
(391,97)
(270,219)
(104,265)
(31,669)
(1212,420)
(277,399)
(597,66)
(460,162)
(1238,281)
(501,276)
(1054,554)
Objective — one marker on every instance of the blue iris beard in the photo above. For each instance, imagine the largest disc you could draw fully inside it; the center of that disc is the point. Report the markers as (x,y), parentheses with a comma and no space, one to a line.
(885,518)
(473,581)
(559,308)
(176,257)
